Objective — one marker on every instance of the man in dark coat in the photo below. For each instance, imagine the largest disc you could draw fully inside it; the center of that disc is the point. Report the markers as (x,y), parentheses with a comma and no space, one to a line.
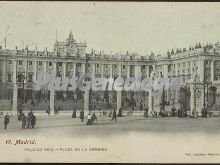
(173,111)
(146,112)
(114,115)
(6,120)
(33,121)
(74,113)
(81,115)
(23,118)
(120,113)
(29,120)
(94,118)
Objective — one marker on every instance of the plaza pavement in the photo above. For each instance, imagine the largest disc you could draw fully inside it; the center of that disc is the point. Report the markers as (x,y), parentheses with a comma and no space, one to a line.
(68,126)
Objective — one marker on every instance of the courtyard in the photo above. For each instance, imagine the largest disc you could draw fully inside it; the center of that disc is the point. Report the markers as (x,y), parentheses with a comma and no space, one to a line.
(68,126)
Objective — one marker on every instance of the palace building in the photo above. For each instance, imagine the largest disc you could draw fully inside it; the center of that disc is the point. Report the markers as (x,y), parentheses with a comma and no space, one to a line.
(198,67)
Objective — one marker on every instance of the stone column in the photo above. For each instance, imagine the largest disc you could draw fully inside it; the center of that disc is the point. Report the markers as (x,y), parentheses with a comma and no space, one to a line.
(201,70)
(14,72)
(202,97)
(55,67)
(45,66)
(176,69)
(74,69)
(102,70)
(110,76)
(191,71)
(35,71)
(93,71)
(150,100)
(212,70)
(110,68)
(52,93)
(64,70)
(25,71)
(3,87)
(192,100)
(15,97)
(137,71)
(118,100)
(86,102)
(83,69)
(119,92)
(4,71)
(165,70)
(128,71)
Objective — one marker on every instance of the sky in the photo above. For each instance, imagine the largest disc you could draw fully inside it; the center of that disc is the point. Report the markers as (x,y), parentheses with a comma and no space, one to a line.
(110,26)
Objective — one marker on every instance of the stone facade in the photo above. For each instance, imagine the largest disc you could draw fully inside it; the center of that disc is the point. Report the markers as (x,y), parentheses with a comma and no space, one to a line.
(198,67)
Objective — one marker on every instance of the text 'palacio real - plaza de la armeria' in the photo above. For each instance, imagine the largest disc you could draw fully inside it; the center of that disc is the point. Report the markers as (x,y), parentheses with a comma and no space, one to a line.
(197,66)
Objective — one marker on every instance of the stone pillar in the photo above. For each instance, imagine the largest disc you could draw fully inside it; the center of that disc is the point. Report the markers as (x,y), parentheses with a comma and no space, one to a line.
(35,71)
(177,96)
(110,68)
(138,71)
(191,71)
(74,69)
(165,70)
(64,70)
(55,67)
(150,100)
(102,70)
(201,70)
(14,72)
(86,102)
(202,97)
(118,100)
(83,68)
(93,71)
(128,71)
(119,92)
(119,70)
(25,71)
(52,93)
(212,70)
(45,66)
(192,98)
(15,97)
(4,71)
(176,69)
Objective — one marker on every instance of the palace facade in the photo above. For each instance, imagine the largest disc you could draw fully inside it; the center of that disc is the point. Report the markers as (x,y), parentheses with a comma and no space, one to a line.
(198,67)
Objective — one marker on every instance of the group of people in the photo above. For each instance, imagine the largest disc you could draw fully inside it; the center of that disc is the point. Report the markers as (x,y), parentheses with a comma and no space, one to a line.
(91,119)
(28,121)
(114,115)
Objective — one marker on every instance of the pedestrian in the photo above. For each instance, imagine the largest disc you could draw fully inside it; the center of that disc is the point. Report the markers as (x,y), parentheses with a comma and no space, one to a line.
(141,107)
(94,118)
(110,114)
(146,112)
(120,113)
(74,113)
(89,121)
(23,118)
(6,120)
(173,111)
(33,121)
(114,115)
(82,115)
(48,110)
(29,120)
